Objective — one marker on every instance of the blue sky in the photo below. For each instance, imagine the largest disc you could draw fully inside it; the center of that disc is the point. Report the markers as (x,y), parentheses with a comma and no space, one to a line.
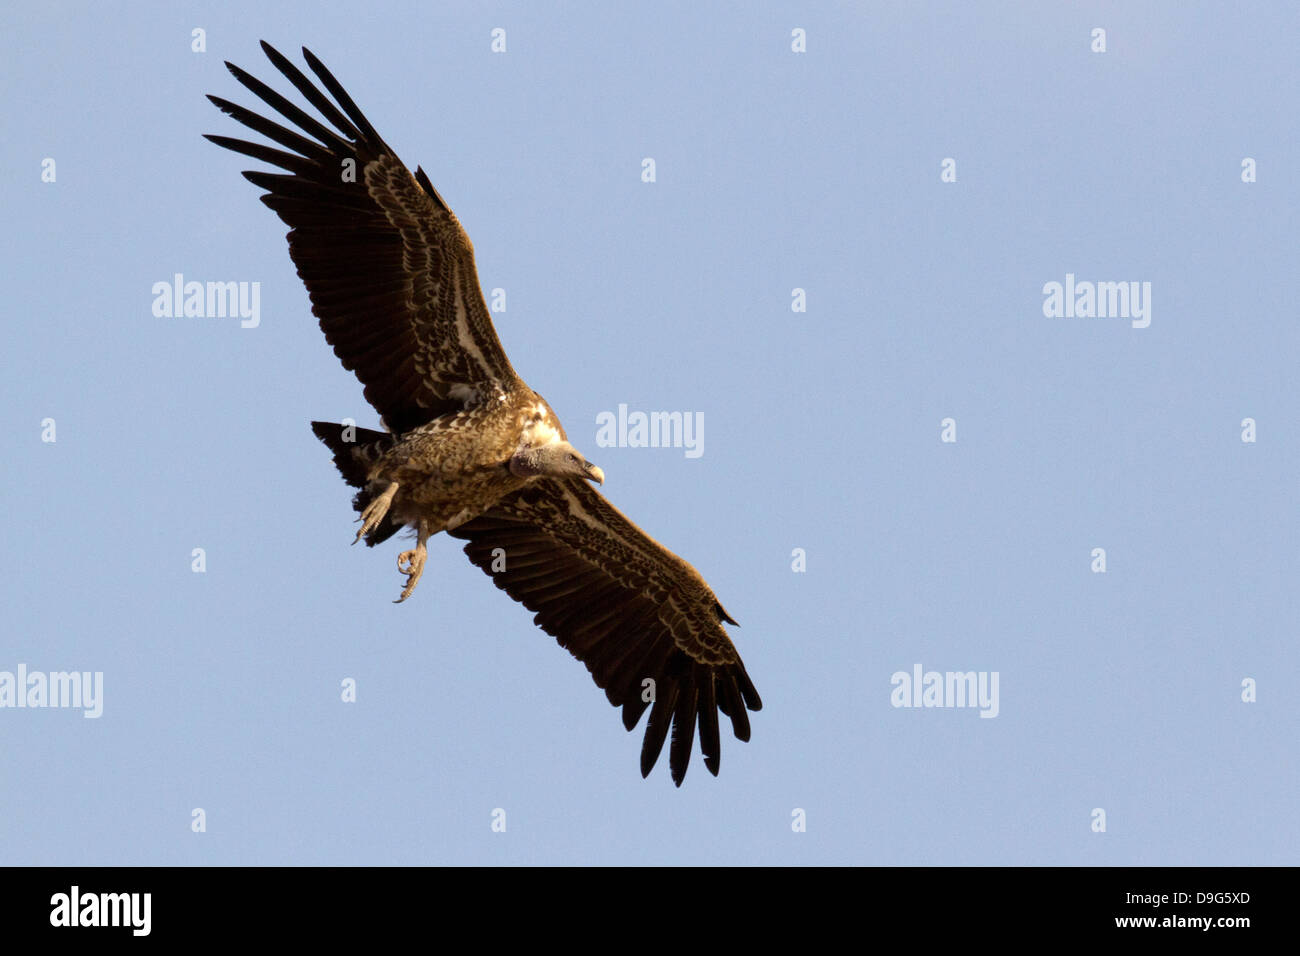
(1120,691)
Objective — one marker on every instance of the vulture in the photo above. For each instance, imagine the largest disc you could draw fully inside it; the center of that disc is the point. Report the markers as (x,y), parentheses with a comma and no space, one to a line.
(468,448)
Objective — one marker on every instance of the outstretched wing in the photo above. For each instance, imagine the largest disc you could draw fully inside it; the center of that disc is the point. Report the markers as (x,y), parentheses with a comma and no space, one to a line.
(625,606)
(389,269)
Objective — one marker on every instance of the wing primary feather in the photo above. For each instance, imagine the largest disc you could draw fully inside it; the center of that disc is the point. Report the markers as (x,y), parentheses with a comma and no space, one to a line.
(633,707)
(656,731)
(290,161)
(308,89)
(270,130)
(288,110)
(735,708)
(710,741)
(747,691)
(340,94)
(679,752)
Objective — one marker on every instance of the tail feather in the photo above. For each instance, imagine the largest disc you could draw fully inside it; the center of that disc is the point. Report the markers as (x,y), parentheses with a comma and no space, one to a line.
(355,450)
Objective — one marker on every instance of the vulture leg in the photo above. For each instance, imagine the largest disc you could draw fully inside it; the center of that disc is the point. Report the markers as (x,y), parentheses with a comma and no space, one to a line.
(375,511)
(411,563)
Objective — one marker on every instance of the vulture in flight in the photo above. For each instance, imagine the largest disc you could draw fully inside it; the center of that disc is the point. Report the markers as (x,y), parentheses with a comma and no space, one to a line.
(469,448)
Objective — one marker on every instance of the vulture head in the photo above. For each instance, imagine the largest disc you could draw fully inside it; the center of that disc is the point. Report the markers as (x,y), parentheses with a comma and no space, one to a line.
(556,459)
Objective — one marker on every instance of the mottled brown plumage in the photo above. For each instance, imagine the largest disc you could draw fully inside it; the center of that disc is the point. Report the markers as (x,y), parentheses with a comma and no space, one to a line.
(470,449)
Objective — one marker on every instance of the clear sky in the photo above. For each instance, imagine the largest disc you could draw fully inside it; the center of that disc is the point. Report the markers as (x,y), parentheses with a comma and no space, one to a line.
(775,171)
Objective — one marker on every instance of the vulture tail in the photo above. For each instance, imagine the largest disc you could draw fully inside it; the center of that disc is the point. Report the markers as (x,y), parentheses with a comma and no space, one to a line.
(355,450)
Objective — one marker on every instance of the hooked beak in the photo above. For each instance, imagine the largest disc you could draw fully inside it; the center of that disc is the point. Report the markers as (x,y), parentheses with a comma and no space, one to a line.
(594,473)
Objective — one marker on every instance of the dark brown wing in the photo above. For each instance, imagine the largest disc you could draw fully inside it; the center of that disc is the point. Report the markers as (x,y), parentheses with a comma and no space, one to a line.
(625,606)
(389,269)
